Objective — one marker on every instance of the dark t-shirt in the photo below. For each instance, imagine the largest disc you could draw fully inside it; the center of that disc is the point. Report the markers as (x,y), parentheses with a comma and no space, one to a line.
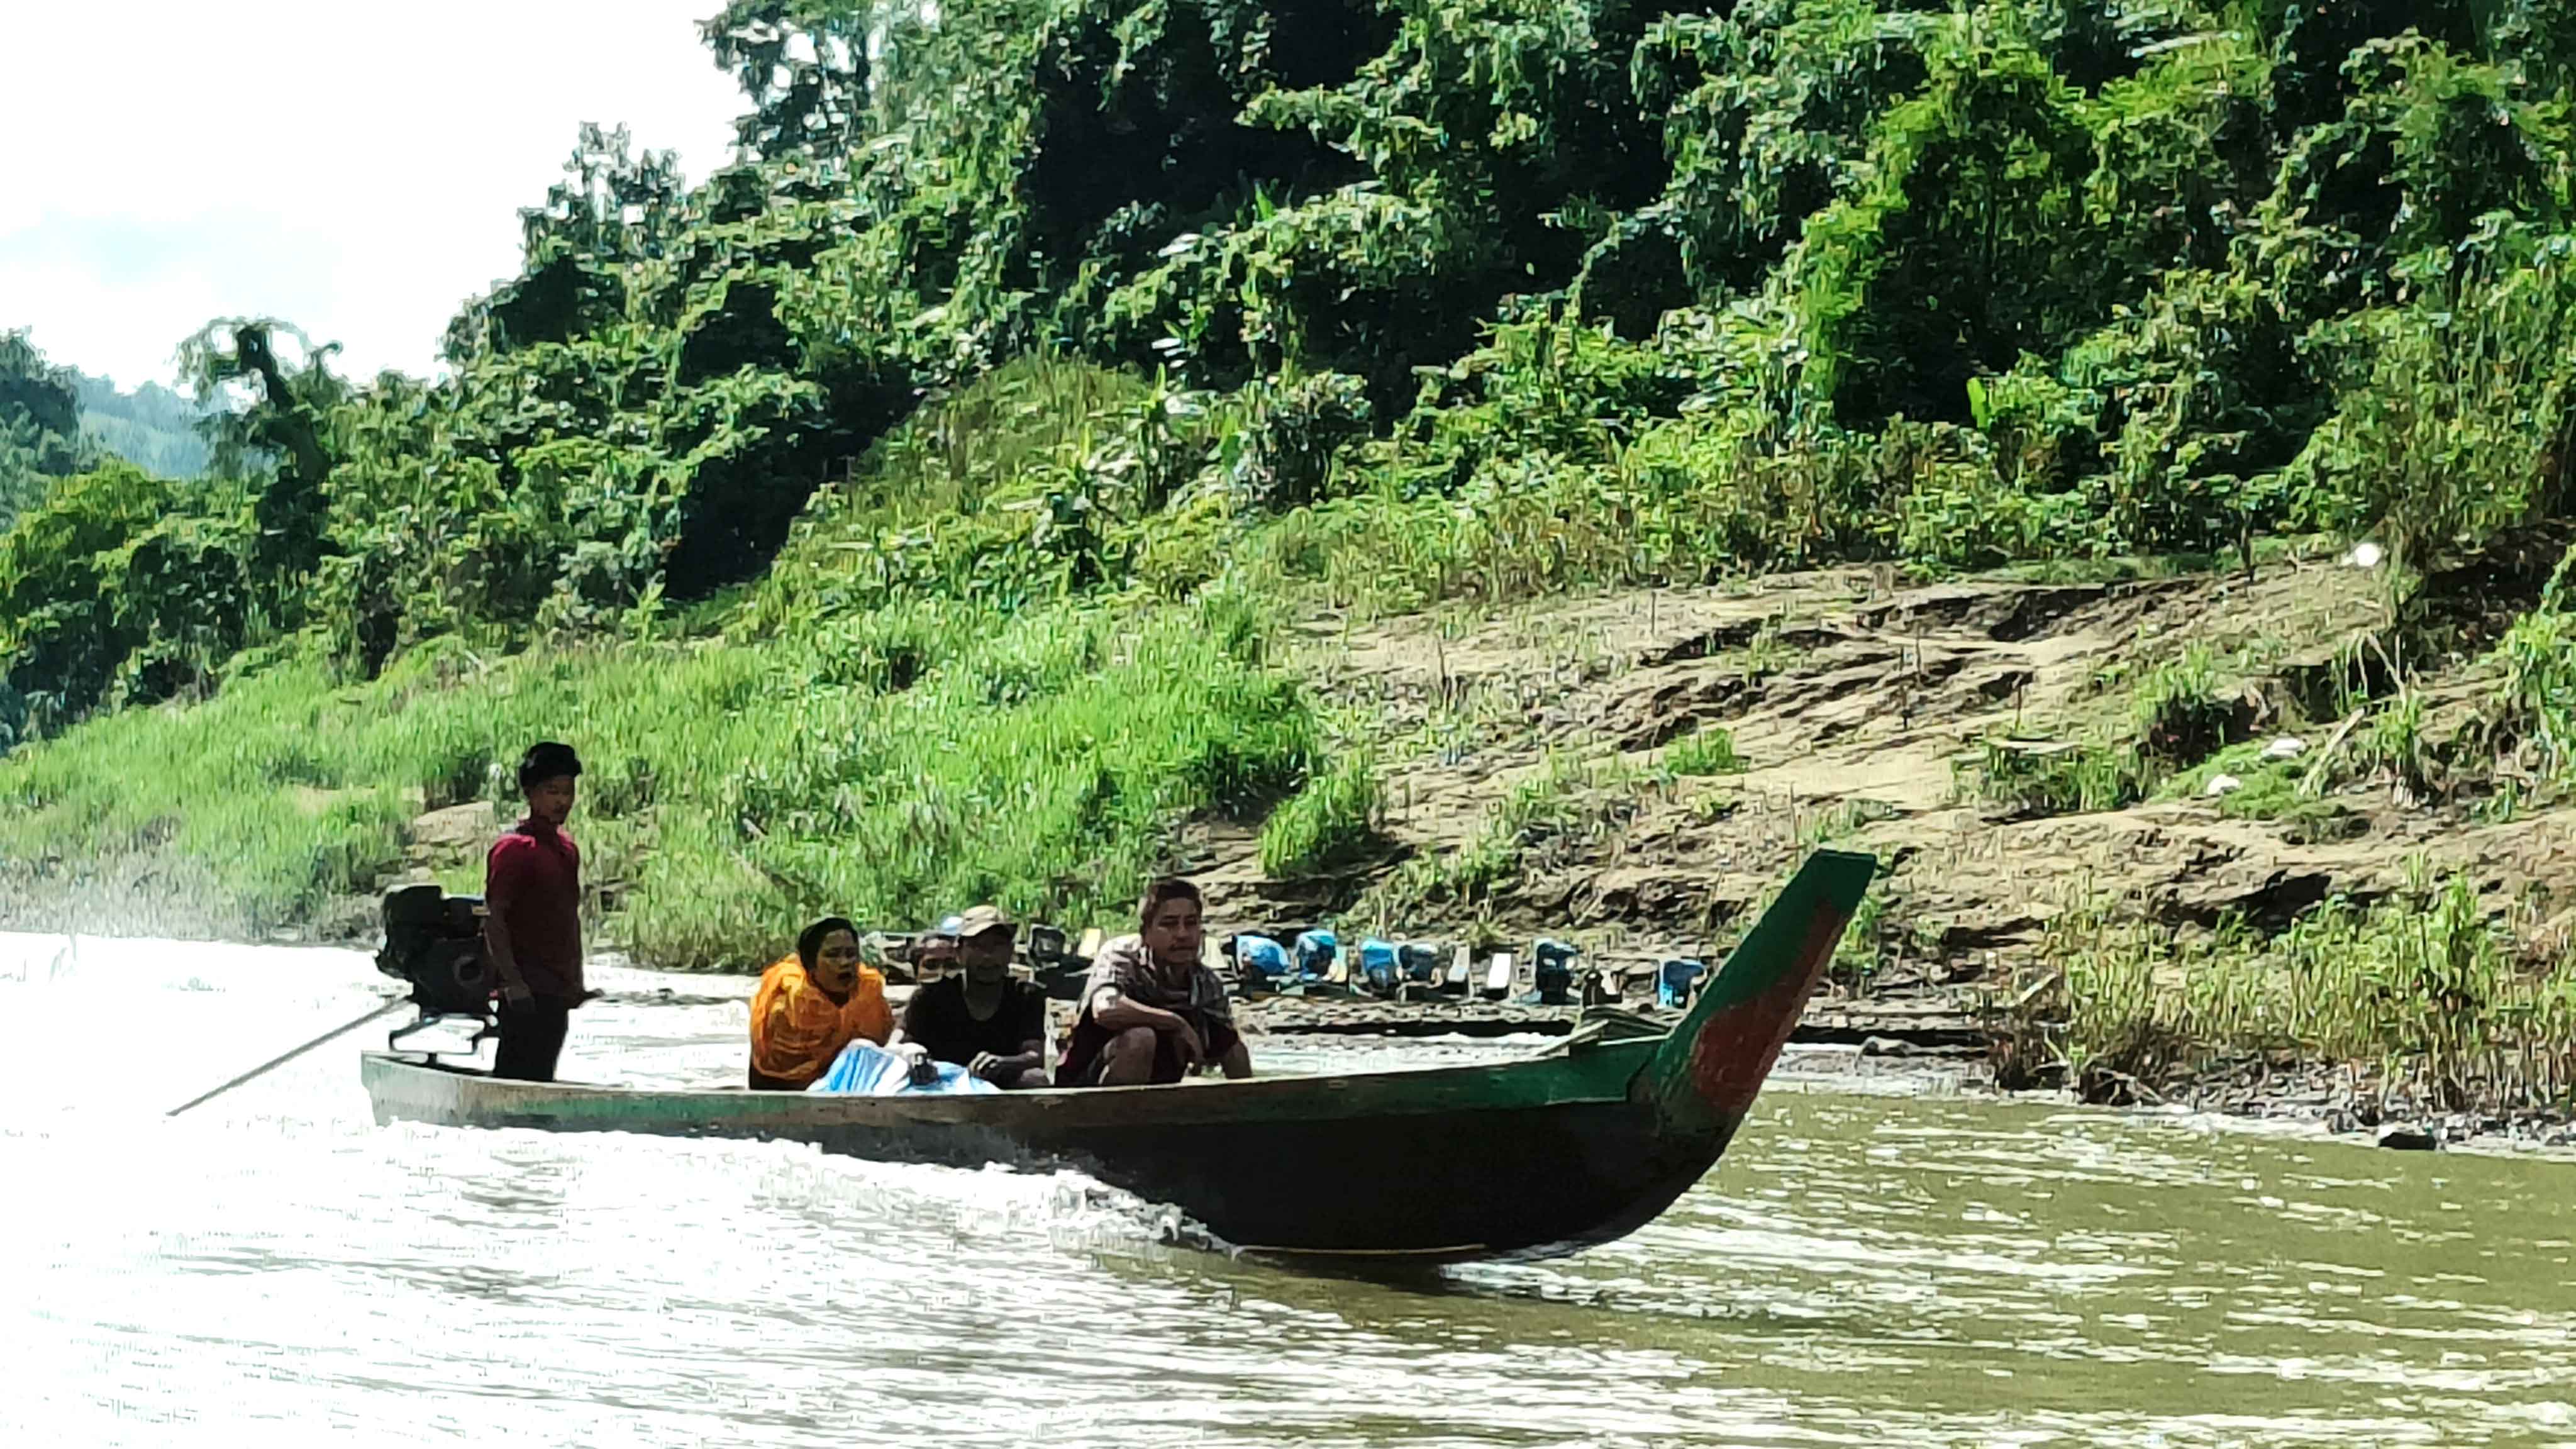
(937,1018)
(532,882)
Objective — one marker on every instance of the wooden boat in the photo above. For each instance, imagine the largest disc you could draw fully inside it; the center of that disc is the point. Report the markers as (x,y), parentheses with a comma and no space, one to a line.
(1576,1146)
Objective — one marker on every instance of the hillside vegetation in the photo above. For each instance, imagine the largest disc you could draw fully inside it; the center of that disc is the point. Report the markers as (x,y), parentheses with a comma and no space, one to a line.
(151,427)
(943,498)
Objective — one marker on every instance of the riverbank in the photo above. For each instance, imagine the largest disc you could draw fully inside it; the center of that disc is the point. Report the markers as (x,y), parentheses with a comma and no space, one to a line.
(1915,1043)
(2165,835)
(2368,922)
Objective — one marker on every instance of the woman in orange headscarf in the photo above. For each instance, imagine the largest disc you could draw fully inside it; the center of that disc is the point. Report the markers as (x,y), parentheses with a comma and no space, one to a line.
(812,1004)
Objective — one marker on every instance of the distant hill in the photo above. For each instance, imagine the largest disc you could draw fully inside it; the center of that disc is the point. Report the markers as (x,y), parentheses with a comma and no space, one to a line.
(151,427)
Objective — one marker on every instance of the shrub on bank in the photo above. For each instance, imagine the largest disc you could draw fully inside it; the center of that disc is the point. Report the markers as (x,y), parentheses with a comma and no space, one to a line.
(2428,987)
(1328,821)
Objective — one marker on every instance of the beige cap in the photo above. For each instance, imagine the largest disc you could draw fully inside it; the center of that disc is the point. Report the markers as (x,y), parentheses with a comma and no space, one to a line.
(982,919)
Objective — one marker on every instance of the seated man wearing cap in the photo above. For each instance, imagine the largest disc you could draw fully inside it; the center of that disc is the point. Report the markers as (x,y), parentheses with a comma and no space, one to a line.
(978,1017)
(1152,1011)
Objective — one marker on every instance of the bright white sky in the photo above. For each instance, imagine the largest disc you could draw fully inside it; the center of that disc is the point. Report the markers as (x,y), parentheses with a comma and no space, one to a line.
(353,166)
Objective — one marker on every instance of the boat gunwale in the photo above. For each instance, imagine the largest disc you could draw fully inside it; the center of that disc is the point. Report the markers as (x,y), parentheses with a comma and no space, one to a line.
(1597,1076)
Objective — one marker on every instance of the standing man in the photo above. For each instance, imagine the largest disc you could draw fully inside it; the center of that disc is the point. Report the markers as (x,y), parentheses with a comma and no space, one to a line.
(1151,1009)
(532,921)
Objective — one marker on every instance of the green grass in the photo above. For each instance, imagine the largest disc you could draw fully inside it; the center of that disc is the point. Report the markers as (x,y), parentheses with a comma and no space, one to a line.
(2281,792)
(2427,987)
(1331,819)
(1708,750)
(2037,778)
(1041,761)
(1862,948)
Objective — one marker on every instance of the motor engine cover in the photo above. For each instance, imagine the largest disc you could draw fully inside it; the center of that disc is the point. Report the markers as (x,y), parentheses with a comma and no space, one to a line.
(434,944)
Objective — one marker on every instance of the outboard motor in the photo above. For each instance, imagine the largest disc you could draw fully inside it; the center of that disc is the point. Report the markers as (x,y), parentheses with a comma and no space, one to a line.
(1675,979)
(434,945)
(1055,965)
(1047,947)
(1380,964)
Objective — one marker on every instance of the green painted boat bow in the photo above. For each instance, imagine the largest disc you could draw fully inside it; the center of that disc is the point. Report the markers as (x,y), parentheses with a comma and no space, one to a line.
(1704,1076)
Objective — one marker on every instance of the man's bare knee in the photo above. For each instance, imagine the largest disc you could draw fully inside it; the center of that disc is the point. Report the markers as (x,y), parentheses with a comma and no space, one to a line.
(1130,1057)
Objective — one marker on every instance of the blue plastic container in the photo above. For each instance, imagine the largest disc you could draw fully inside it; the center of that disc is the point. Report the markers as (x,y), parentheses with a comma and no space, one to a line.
(1673,980)
(1379,965)
(1315,951)
(1421,960)
(864,1069)
(1262,954)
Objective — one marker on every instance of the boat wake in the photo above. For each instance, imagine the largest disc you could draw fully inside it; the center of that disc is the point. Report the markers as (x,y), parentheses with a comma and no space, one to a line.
(1074,1212)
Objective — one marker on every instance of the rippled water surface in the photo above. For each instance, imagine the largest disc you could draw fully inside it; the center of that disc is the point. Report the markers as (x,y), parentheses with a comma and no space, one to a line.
(273,1268)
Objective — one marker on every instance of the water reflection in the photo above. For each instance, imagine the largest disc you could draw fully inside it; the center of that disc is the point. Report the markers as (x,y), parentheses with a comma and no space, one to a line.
(1862,1270)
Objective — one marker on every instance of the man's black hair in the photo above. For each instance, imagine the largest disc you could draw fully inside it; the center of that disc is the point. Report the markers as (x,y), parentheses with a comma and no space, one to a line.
(544,761)
(1162,892)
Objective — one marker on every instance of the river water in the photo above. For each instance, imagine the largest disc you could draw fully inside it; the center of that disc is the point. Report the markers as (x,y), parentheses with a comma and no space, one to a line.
(1869,1270)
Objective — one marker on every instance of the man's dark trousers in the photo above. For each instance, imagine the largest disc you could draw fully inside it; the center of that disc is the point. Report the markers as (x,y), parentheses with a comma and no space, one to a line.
(532,1036)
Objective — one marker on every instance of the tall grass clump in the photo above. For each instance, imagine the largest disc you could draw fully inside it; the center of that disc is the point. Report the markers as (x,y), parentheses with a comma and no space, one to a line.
(1709,750)
(2032,778)
(2427,988)
(2180,718)
(2533,705)
(2459,422)
(1328,821)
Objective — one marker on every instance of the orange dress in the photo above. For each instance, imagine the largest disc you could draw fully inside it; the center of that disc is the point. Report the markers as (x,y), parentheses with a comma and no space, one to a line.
(797,1031)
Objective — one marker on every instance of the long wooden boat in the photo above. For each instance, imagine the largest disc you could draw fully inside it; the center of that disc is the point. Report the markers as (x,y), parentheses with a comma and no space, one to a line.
(1576,1146)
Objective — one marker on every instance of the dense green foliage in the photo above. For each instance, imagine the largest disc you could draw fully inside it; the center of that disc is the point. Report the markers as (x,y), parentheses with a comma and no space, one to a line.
(1677,290)
(54,422)
(40,435)
(1382,303)
(120,586)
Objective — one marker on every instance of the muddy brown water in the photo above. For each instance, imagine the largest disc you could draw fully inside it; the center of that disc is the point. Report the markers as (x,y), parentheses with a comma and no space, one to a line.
(274,1268)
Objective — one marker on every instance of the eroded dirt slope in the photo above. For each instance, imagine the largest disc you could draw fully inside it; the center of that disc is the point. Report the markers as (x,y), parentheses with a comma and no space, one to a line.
(1855,706)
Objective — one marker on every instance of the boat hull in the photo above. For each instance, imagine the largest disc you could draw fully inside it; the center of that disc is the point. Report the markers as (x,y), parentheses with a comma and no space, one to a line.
(1526,1159)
